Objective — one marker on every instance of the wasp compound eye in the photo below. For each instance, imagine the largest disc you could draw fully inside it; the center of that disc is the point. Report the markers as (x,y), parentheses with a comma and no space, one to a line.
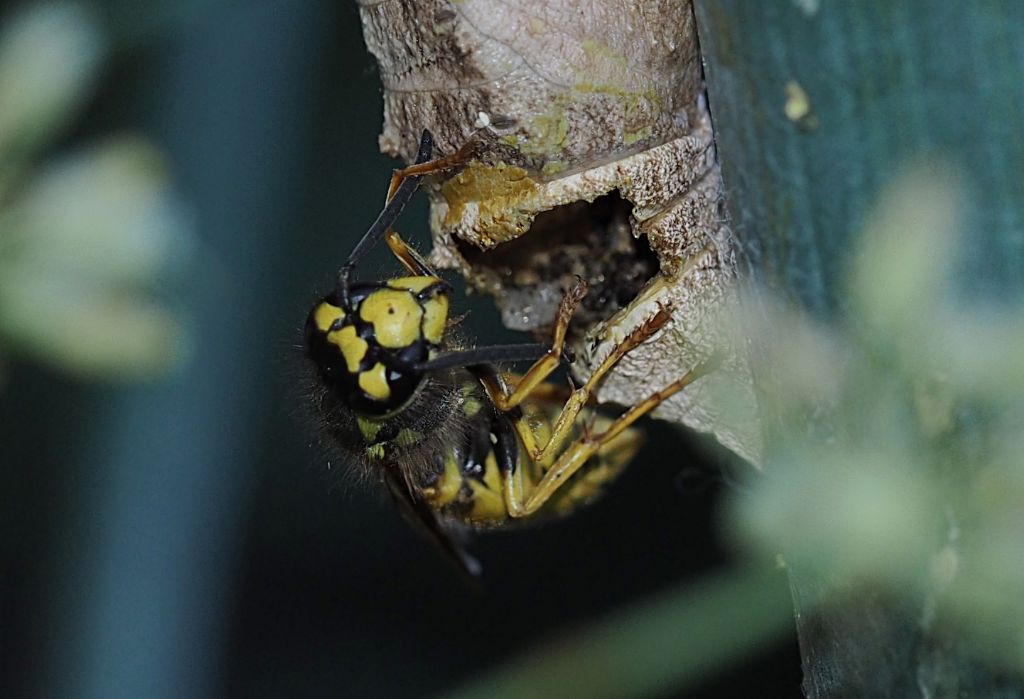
(367,350)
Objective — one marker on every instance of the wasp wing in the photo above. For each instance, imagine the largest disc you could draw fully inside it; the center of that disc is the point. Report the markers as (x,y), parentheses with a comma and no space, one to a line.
(425,519)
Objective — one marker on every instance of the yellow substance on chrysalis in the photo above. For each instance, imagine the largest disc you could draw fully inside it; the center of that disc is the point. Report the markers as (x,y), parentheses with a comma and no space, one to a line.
(501,194)
(353,348)
(374,382)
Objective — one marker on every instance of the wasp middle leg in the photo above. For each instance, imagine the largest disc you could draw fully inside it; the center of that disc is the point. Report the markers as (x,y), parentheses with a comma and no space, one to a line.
(544,448)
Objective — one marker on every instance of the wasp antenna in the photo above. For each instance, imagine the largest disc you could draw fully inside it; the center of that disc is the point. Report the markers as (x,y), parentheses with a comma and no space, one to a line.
(426,147)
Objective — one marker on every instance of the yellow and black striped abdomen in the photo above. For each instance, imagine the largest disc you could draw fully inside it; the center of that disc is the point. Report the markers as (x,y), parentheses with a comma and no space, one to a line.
(469,487)
(366,347)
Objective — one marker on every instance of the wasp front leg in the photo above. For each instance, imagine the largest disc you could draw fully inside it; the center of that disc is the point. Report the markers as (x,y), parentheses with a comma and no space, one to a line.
(404,184)
(449,162)
(409,258)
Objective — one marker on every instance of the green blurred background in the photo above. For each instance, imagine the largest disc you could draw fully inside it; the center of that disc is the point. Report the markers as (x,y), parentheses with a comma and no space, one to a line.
(182,535)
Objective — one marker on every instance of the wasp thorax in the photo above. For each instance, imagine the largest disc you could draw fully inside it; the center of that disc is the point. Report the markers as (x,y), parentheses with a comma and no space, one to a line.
(368,349)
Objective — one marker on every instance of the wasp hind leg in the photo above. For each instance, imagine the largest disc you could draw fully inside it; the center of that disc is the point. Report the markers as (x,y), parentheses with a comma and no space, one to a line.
(527,487)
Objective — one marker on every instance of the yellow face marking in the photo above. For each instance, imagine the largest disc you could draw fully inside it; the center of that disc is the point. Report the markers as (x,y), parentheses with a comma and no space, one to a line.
(353,348)
(413,284)
(325,315)
(374,382)
(395,316)
(435,316)
(369,428)
(375,451)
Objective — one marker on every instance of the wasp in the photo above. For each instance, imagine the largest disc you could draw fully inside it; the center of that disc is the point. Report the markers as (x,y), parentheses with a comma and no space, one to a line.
(456,441)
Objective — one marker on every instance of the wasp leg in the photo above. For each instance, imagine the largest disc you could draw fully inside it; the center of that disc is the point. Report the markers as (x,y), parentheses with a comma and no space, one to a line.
(409,258)
(513,475)
(585,448)
(449,162)
(563,424)
(609,461)
(404,184)
(547,393)
(505,399)
(520,480)
(581,396)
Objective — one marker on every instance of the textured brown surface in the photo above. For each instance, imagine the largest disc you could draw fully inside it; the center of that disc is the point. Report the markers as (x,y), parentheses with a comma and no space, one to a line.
(571,101)
(564,83)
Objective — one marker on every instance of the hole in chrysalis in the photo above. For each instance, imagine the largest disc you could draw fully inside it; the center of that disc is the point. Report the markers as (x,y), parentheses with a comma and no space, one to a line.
(529,275)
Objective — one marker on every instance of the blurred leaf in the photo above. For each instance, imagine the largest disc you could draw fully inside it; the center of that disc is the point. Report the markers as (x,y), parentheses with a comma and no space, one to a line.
(92,241)
(50,56)
(660,645)
(97,332)
(905,256)
(84,252)
(900,494)
(104,214)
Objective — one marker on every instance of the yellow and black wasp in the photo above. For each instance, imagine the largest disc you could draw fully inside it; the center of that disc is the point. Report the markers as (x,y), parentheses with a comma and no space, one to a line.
(454,440)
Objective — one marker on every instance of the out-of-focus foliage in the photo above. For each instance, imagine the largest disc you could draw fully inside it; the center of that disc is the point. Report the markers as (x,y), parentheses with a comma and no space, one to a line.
(678,638)
(50,56)
(90,241)
(916,488)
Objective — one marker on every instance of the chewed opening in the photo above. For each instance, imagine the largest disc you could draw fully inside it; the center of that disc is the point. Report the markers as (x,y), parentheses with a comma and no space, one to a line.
(529,275)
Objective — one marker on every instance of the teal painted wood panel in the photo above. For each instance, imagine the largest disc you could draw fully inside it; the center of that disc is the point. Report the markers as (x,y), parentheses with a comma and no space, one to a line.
(888,83)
